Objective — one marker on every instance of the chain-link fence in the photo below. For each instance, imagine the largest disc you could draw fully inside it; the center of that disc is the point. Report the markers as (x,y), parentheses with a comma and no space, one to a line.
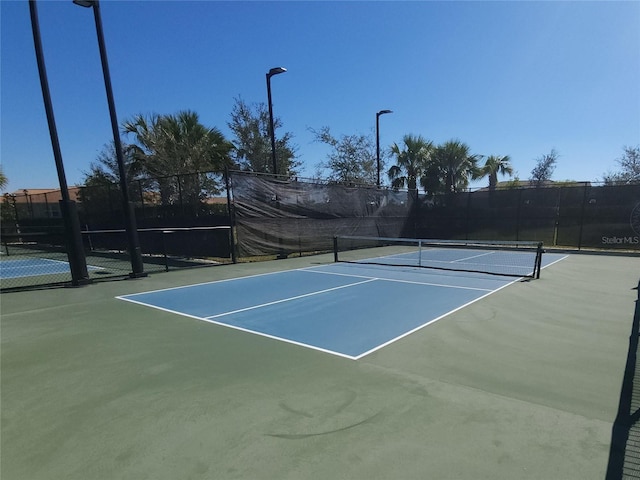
(277,216)
(182,221)
(36,258)
(574,216)
(263,216)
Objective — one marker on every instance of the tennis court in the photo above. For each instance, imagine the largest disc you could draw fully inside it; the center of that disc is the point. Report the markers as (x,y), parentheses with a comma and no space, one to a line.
(207,373)
(32,267)
(350,309)
(29,259)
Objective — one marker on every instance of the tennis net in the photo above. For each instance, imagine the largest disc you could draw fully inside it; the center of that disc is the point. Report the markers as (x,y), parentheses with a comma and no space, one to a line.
(517,258)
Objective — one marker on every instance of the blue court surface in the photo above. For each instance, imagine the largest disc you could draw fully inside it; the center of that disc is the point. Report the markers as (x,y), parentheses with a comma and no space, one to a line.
(350,310)
(32,267)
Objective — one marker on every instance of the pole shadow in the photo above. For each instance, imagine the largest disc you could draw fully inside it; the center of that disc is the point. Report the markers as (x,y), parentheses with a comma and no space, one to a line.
(624,453)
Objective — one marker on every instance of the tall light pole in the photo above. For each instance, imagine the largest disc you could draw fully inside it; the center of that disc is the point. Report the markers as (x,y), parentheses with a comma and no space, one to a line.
(75,250)
(271,73)
(381,112)
(129,213)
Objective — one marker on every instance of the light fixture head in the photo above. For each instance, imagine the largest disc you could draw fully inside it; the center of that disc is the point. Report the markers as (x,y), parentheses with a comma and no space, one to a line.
(84,3)
(382,112)
(276,71)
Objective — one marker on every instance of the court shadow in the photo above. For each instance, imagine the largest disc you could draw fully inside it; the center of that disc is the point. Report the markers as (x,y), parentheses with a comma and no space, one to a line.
(624,453)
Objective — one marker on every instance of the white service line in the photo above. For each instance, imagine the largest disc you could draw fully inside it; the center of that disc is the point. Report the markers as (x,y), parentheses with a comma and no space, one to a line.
(289,299)
(43,262)
(420,327)
(429,284)
(235,327)
(473,256)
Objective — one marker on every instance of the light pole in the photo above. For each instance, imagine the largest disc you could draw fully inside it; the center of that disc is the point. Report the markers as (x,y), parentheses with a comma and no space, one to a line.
(271,73)
(75,253)
(381,112)
(129,213)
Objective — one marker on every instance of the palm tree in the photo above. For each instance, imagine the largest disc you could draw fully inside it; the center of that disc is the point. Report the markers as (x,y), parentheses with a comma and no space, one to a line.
(188,147)
(146,149)
(456,165)
(493,166)
(176,144)
(185,145)
(412,162)
(173,145)
(3,179)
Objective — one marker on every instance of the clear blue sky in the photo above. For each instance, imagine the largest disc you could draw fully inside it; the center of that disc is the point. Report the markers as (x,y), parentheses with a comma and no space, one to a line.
(507,78)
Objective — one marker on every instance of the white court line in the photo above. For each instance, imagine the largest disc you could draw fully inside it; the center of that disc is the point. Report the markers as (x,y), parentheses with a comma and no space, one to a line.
(474,256)
(241,329)
(420,327)
(301,344)
(40,263)
(556,261)
(45,262)
(289,299)
(293,342)
(446,314)
(121,297)
(443,285)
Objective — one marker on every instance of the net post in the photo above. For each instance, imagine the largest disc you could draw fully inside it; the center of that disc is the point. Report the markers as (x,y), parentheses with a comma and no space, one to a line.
(419,253)
(538,265)
(231,213)
(335,249)
(163,234)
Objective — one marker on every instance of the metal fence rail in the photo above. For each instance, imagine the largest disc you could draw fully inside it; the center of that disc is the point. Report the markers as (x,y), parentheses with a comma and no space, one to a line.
(575,216)
(30,259)
(279,217)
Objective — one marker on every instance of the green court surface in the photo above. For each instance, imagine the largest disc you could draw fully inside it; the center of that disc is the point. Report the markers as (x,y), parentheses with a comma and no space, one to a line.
(523,384)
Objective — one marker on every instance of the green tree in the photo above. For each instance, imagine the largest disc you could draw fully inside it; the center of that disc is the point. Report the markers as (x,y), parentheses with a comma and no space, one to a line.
(105,168)
(250,126)
(352,159)
(454,164)
(493,166)
(177,144)
(412,161)
(629,164)
(100,193)
(544,168)
(8,216)
(176,151)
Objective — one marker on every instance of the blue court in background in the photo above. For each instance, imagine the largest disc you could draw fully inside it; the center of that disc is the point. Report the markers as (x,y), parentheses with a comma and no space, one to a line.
(349,310)
(32,267)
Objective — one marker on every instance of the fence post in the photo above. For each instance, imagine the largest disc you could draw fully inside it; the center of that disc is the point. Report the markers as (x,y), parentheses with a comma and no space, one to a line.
(584,204)
(46,206)
(141,197)
(230,211)
(178,177)
(556,222)
(15,211)
(163,234)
